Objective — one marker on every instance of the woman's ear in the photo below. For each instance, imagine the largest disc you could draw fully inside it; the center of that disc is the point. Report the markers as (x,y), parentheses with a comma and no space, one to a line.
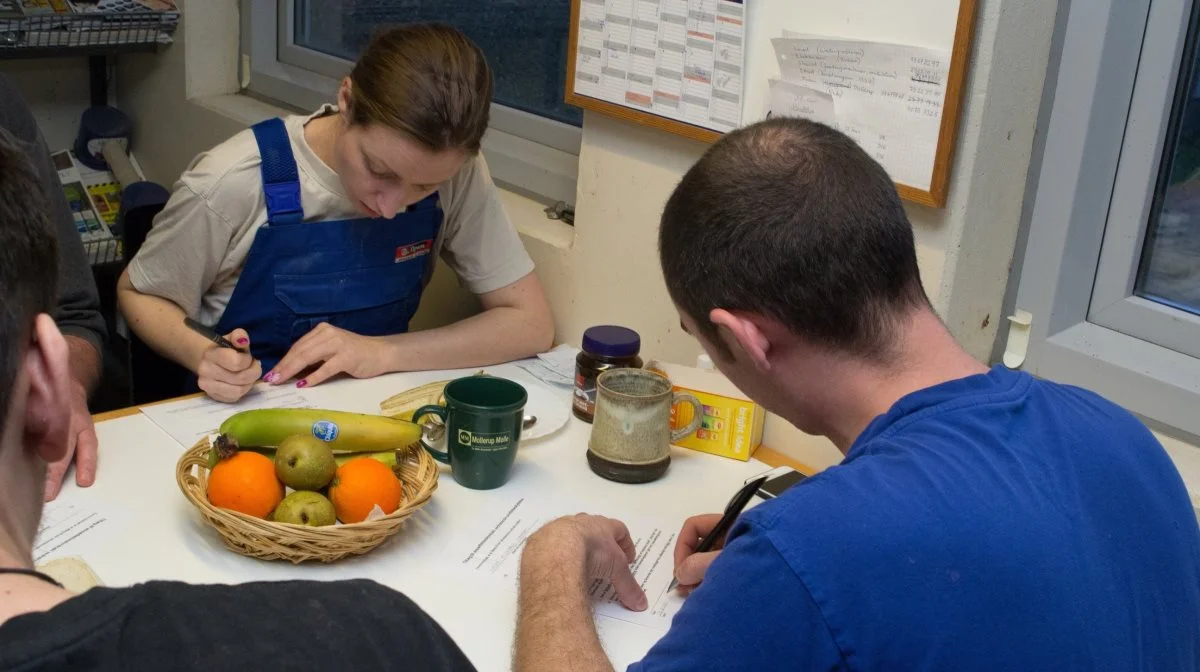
(343,98)
(48,406)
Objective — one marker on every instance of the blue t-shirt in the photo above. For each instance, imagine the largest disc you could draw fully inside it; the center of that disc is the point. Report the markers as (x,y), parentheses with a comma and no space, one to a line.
(997,522)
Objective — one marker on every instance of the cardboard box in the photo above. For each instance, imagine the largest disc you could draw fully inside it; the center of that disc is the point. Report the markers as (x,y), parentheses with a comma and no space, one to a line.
(731,425)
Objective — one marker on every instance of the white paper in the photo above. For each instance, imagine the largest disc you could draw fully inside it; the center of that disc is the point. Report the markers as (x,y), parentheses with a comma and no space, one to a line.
(561,359)
(556,367)
(493,548)
(680,59)
(189,420)
(887,97)
(793,100)
(68,529)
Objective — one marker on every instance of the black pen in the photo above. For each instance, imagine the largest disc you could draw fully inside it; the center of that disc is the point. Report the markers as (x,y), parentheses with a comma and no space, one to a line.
(732,511)
(210,334)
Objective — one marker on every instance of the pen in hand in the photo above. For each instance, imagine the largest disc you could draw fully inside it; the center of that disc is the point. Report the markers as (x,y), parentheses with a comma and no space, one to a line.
(210,334)
(732,511)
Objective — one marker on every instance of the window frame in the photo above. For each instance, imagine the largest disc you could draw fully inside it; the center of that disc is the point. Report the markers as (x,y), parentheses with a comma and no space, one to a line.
(1114,303)
(534,155)
(1116,61)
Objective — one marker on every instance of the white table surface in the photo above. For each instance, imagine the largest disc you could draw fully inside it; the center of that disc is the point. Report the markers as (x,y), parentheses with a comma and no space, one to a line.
(154,532)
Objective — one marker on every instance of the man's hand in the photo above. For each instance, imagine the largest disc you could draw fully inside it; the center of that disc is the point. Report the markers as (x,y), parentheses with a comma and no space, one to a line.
(691,566)
(225,374)
(555,629)
(602,545)
(81,447)
(336,351)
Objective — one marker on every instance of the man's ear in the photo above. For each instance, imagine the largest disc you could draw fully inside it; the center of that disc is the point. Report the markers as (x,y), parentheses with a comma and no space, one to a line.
(48,406)
(741,332)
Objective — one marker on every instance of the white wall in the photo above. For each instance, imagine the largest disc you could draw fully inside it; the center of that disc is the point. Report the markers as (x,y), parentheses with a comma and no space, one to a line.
(605,269)
(57,92)
(964,250)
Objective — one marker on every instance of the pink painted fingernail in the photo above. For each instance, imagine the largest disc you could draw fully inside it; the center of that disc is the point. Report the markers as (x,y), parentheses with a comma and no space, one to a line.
(271,377)
(243,341)
(303,383)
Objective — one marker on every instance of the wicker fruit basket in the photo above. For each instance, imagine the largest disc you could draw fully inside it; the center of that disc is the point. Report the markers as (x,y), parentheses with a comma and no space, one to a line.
(267,540)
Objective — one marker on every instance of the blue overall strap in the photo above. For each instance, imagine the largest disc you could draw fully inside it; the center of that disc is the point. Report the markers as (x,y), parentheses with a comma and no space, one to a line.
(281,180)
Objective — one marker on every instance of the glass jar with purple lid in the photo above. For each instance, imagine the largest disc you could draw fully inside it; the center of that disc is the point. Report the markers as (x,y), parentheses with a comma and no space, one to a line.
(604,347)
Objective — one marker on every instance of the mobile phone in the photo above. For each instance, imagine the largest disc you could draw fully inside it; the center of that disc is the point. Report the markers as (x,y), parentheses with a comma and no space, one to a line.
(781,478)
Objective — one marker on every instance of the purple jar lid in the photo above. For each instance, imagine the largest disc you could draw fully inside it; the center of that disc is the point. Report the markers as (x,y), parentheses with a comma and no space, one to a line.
(611,341)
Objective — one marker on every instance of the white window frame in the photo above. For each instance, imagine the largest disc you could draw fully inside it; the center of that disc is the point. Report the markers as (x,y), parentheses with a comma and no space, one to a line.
(1105,117)
(525,152)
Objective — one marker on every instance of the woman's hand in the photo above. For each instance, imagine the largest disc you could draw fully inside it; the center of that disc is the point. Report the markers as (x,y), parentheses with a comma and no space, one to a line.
(227,375)
(691,566)
(335,351)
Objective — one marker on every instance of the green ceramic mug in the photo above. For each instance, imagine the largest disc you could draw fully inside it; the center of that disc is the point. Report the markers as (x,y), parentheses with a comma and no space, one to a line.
(483,417)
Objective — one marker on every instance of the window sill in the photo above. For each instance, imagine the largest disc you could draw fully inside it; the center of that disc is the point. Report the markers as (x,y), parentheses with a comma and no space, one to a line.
(245,110)
(529,216)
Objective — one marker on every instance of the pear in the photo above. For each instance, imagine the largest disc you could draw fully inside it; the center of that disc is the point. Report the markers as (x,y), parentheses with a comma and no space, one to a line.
(304,462)
(305,508)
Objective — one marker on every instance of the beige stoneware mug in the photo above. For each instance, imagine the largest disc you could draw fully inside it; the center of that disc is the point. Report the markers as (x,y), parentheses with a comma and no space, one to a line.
(631,434)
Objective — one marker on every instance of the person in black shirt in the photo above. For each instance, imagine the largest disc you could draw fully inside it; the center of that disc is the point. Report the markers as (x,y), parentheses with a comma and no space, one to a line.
(76,310)
(298,625)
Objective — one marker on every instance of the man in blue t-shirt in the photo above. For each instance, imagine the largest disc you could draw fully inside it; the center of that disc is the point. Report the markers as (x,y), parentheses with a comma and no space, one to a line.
(981,519)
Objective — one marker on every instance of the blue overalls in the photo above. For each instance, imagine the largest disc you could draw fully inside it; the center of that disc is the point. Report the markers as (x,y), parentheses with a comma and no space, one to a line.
(364,275)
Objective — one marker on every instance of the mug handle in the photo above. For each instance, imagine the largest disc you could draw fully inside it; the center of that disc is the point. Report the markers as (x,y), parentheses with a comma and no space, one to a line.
(439,411)
(697,416)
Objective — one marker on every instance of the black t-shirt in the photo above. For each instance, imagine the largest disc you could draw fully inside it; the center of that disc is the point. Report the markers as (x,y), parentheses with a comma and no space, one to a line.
(289,625)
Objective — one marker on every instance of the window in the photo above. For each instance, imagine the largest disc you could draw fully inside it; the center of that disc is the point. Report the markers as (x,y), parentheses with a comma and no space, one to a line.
(1111,267)
(299,50)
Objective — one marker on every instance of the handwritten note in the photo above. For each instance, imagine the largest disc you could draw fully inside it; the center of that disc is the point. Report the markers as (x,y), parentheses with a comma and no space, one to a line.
(493,548)
(793,100)
(189,420)
(887,97)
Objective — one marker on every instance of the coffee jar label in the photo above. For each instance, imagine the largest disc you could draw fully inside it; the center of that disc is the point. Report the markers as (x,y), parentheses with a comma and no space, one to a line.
(585,394)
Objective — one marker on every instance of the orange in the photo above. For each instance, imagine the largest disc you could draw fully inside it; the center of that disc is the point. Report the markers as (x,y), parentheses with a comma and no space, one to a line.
(361,484)
(245,482)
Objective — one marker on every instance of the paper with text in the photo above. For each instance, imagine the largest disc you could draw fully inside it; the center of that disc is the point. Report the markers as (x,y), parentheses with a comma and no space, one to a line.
(69,529)
(680,59)
(887,97)
(793,100)
(189,420)
(556,367)
(493,548)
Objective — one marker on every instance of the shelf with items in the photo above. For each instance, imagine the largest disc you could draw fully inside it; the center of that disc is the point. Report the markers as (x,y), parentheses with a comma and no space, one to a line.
(82,33)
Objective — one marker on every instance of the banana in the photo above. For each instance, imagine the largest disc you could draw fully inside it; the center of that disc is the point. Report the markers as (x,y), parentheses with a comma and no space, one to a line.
(388,457)
(403,405)
(344,432)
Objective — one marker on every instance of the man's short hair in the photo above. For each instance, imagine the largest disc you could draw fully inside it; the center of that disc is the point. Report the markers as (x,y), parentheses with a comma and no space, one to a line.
(791,219)
(28,262)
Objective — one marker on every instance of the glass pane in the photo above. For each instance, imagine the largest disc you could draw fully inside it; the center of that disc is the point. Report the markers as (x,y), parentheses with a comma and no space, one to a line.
(1170,266)
(525,40)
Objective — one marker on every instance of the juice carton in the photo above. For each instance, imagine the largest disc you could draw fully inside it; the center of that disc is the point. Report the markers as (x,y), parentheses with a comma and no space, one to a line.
(731,424)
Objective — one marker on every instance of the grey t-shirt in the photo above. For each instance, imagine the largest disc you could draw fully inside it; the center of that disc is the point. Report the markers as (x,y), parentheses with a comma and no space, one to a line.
(78,309)
(195,252)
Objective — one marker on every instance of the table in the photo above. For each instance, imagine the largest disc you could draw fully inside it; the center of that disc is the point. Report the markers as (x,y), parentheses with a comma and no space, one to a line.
(152,532)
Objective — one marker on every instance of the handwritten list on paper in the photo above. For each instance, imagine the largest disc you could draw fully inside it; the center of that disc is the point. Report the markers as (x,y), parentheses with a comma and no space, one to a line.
(680,59)
(887,97)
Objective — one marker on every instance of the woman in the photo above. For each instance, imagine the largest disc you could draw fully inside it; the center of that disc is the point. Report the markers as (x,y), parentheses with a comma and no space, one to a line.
(309,240)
